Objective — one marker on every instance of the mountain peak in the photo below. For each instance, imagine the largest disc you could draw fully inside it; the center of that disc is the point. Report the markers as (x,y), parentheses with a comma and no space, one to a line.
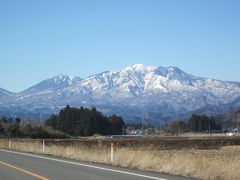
(140,68)
(162,91)
(4,92)
(173,72)
(173,68)
(65,78)
(57,82)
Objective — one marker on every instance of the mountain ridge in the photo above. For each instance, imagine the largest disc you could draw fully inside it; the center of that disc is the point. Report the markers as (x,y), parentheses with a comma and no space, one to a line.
(166,91)
(56,82)
(4,92)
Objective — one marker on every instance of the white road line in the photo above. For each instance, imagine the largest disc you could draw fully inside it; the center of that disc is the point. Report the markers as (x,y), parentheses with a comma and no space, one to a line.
(85,165)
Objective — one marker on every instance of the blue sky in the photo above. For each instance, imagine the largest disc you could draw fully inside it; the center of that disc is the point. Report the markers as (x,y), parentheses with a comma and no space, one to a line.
(41,38)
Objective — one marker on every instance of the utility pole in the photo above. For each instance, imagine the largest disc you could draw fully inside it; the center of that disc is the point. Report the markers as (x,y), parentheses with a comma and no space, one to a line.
(123,130)
(233,117)
(237,127)
(209,127)
(236,120)
(41,118)
(179,127)
(199,124)
(142,121)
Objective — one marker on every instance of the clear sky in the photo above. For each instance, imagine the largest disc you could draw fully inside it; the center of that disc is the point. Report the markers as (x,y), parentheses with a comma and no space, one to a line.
(43,38)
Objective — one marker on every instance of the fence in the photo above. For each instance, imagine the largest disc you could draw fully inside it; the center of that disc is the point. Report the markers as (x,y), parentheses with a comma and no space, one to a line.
(65,148)
(169,155)
(106,150)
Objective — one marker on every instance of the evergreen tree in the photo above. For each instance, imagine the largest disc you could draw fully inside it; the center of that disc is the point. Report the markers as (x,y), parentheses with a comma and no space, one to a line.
(85,122)
(117,125)
(203,124)
(1,129)
(17,120)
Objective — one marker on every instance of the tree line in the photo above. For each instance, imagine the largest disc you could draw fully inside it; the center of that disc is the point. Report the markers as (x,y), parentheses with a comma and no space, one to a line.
(85,122)
(196,124)
(15,128)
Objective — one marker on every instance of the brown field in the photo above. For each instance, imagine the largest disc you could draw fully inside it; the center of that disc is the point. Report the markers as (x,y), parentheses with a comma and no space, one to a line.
(200,157)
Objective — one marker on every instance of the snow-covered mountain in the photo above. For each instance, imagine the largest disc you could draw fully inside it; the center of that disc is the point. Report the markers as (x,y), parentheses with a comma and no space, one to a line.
(4,93)
(57,82)
(157,92)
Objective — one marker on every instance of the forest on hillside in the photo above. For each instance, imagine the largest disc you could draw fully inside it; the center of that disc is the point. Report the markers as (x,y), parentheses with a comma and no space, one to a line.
(85,122)
(73,122)
(69,123)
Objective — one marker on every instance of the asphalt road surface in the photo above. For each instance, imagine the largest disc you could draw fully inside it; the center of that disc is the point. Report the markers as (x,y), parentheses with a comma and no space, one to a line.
(26,166)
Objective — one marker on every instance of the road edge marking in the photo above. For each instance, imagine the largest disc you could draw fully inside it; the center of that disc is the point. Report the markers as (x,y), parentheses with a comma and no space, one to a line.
(23,170)
(84,165)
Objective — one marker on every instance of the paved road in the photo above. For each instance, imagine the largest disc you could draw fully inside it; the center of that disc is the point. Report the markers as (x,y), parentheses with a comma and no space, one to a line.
(15,166)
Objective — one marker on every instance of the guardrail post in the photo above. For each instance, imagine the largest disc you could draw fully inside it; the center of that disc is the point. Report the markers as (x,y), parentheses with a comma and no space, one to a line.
(43,146)
(112,149)
(9,144)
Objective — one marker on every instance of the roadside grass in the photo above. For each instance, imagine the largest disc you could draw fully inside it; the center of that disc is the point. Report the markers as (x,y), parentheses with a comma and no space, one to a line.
(84,153)
(221,163)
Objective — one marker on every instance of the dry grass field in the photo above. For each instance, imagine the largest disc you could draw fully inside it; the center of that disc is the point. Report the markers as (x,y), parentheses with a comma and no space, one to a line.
(202,164)
(210,158)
